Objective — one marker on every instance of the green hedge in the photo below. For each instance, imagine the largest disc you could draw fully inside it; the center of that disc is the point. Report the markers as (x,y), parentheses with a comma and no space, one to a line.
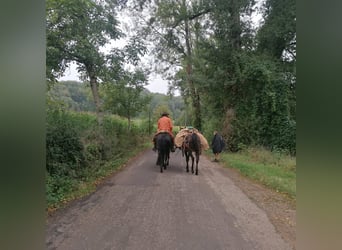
(78,150)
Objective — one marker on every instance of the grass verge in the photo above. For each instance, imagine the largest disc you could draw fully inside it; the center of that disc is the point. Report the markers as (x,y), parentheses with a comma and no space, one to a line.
(275,170)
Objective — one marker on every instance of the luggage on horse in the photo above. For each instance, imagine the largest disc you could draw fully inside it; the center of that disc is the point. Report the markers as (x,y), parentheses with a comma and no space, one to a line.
(179,139)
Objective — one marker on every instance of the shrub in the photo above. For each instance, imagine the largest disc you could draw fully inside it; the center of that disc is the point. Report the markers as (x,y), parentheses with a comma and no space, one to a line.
(79,150)
(64,150)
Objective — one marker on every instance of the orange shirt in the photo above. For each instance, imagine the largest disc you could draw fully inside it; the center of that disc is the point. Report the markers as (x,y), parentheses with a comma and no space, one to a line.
(165,124)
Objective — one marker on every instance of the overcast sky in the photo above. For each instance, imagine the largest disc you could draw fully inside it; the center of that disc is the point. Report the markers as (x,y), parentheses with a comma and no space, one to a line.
(156,84)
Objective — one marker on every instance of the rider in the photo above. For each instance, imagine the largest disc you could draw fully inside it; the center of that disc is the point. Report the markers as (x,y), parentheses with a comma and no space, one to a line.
(164,125)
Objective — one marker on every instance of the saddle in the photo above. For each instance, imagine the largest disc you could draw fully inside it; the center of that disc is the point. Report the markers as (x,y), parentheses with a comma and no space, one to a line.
(164,132)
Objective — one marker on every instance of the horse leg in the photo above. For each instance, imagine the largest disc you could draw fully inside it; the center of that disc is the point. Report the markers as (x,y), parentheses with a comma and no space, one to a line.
(197,160)
(158,159)
(165,160)
(187,162)
(161,162)
(192,163)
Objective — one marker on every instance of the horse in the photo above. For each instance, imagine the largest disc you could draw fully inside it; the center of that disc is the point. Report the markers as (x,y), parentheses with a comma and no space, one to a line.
(164,143)
(191,144)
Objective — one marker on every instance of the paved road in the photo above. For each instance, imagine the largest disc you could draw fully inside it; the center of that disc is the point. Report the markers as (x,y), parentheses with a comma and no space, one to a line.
(141,208)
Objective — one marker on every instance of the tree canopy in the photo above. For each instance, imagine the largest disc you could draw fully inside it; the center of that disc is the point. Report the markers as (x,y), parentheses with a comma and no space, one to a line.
(234,76)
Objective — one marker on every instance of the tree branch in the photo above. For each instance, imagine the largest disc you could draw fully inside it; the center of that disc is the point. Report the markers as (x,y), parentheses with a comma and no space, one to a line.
(194,16)
(199,14)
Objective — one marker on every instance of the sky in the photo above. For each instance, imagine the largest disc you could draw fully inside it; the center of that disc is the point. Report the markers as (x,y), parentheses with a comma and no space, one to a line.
(156,84)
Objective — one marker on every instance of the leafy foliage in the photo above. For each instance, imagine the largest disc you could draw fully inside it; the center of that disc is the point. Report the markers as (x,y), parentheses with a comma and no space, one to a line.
(77,148)
(63,146)
(251,86)
(278,34)
(76,30)
(75,95)
(125,98)
(172,26)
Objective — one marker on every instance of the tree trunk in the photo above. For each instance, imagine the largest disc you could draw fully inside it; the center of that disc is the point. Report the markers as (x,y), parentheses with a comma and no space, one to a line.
(94,89)
(236,26)
(193,91)
(129,123)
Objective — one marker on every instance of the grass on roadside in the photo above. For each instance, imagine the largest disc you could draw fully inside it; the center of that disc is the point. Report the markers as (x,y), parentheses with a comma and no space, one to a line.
(275,170)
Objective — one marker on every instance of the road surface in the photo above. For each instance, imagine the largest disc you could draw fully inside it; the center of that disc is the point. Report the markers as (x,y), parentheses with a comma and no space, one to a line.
(141,208)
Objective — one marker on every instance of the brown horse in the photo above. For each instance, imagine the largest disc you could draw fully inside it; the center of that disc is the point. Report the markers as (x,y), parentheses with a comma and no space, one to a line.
(191,144)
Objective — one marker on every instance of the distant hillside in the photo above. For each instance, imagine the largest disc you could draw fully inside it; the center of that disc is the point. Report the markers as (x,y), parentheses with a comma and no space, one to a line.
(77,96)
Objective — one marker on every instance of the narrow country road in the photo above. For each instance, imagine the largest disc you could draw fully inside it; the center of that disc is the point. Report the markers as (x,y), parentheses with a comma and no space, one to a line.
(141,208)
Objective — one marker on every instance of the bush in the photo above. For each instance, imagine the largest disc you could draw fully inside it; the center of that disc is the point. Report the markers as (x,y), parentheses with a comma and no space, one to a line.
(64,150)
(77,149)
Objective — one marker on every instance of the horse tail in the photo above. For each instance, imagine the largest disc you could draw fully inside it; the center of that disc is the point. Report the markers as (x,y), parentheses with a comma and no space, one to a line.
(195,142)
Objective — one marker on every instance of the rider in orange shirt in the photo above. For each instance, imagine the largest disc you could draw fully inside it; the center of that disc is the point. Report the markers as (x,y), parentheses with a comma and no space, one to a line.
(164,125)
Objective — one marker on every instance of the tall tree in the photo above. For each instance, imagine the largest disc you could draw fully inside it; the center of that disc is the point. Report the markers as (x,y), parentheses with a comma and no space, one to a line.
(277,38)
(222,53)
(250,87)
(278,33)
(171,27)
(77,31)
(125,98)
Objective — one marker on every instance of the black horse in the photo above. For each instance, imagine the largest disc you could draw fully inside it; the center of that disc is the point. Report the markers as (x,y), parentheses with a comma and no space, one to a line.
(191,144)
(164,143)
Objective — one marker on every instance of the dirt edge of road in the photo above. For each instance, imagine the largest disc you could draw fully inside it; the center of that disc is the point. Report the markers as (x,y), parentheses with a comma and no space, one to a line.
(280,209)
